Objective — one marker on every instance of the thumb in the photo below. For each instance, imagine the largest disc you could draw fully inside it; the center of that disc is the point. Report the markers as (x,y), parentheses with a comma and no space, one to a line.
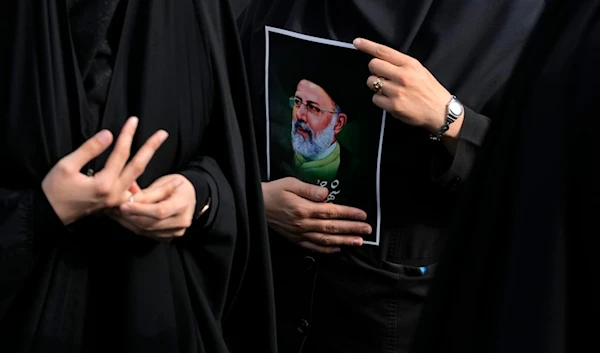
(90,149)
(308,191)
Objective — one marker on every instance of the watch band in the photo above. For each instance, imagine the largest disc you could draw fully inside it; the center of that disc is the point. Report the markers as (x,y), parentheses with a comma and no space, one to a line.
(450,118)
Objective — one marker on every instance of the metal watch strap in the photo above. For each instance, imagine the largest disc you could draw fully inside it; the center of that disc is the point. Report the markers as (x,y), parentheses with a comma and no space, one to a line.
(438,137)
(449,120)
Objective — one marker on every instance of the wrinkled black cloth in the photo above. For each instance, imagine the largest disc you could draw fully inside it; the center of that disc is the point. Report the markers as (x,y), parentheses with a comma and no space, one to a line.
(519,273)
(95,27)
(95,286)
(368,299)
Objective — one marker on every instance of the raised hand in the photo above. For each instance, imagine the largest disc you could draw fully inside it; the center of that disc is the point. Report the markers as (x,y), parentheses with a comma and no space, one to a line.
(74,195)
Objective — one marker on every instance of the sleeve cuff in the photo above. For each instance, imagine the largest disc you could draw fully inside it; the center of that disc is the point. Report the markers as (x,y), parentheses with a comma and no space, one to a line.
(206,194)
(451,172)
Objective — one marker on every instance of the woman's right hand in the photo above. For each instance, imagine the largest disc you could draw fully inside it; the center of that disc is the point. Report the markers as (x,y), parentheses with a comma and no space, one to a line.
(74,195)
(296,211)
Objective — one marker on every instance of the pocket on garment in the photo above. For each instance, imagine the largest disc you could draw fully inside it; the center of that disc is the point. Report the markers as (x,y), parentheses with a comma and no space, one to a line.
(411,281)
(411,272)
(411,288)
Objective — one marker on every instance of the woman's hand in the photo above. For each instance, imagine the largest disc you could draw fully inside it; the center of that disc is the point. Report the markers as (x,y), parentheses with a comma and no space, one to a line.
(296,210)
(74,195)
(163,211)
(408,91)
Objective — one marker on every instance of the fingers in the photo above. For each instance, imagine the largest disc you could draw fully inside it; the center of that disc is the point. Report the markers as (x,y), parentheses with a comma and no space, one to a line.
(163,235)
(388,88)
(333,240)
(127,196)
(327,244)
(163,226)
(382,52)
(332,226)
(89,150)
(322,243)
(123,222)
(157,211)
(140,161)
(333,211)
(386,103)
(158,183)
(119,156)
(135,225)
(385,69)
(305,190)
(158,193)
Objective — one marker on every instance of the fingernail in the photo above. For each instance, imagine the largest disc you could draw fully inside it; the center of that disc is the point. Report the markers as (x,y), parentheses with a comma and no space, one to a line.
(104,137)
(134,121)
(361,216)
(357,242)
(336,250)
(357,42)
(125,208)
(367,230)
(322,193)
(162,135)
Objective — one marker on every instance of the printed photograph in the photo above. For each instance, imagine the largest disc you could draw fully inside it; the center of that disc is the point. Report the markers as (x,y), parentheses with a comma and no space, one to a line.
(322,125)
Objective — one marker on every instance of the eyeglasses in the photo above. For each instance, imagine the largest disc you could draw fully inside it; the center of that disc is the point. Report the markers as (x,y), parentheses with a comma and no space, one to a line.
(296,102)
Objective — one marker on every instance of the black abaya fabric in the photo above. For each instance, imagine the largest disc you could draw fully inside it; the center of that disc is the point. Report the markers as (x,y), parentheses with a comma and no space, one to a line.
(94,286)
(368,298)
(519,271)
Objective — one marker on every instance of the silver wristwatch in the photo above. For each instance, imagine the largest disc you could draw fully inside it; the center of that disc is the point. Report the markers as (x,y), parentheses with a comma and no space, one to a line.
(454,110)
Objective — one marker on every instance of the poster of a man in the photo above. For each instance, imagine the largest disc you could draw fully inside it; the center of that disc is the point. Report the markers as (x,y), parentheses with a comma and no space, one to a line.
(322,126)
(316,122)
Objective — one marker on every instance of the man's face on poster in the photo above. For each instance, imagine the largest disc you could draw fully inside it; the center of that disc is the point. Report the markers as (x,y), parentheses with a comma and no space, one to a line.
(316,119)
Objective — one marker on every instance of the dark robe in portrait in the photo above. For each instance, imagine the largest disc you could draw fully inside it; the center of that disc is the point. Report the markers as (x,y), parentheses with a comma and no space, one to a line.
(368,299)
(520,270)
(71,68)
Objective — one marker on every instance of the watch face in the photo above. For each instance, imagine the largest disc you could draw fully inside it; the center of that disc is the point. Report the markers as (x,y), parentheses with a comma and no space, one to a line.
(455,108)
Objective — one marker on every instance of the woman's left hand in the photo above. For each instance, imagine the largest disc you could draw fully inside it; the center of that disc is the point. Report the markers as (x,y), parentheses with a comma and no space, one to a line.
(163,211)
(409,91)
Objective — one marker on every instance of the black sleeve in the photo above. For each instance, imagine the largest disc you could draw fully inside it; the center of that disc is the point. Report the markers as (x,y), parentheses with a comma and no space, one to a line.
(23,214)
(206,176)
(450,172)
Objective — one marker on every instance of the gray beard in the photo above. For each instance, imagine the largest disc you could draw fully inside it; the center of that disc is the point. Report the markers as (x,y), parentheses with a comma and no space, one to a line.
(314,144)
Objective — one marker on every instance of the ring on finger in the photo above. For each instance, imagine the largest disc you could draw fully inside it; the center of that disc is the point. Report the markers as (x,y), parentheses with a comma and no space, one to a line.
(378,84)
